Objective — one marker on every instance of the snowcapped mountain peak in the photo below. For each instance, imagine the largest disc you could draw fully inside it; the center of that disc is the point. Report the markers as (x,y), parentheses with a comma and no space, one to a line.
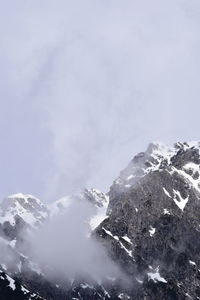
(97,199)
(26,197)
(144,163)
(160,150)
(93,196)
(180,157)
(156,153)
(23,206)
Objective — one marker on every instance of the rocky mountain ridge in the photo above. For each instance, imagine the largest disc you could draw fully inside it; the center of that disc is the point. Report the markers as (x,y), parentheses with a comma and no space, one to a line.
(151,230)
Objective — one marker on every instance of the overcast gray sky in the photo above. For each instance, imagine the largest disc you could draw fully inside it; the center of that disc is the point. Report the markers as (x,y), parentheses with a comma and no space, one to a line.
(85,85)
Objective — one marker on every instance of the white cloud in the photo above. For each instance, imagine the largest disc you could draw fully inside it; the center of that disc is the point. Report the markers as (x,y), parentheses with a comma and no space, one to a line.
(104,79)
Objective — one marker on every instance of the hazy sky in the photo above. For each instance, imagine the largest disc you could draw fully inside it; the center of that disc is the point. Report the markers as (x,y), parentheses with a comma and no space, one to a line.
(85,85)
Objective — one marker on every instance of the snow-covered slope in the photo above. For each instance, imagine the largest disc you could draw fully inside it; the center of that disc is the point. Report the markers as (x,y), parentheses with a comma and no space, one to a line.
(27,207)
(157,157)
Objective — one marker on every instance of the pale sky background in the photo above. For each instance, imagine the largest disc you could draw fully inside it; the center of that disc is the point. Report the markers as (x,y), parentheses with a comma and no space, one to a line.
(85,85)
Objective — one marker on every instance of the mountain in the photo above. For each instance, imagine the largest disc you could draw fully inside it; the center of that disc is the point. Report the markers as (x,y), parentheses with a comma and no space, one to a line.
(21,214)
(154,207)
(151,232)
(19,210)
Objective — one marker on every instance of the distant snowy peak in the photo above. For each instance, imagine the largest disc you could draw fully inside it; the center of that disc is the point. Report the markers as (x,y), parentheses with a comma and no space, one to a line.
(19,209)
(97,199)
(27,207)
(156,157)
(93,196)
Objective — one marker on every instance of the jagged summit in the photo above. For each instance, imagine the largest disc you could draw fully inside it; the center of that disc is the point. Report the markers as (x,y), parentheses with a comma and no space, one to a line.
(156,157)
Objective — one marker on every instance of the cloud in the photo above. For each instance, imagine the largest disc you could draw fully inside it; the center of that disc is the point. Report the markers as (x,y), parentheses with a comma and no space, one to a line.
(102,79)
(62,246)
(7,257)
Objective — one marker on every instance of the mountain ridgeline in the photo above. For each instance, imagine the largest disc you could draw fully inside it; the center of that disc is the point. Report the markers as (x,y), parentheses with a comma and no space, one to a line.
(148,225)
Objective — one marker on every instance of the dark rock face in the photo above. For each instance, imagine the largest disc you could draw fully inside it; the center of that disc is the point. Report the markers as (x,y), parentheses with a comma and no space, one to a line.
(152,232)
(160,215)
(11,289)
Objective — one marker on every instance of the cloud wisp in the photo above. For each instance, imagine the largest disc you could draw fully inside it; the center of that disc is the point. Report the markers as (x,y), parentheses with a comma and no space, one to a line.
(63,245)
(90,84)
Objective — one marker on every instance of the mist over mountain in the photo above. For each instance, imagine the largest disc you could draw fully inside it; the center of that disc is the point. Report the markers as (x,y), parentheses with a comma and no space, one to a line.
(141,240)
(85,87)
(85,84)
